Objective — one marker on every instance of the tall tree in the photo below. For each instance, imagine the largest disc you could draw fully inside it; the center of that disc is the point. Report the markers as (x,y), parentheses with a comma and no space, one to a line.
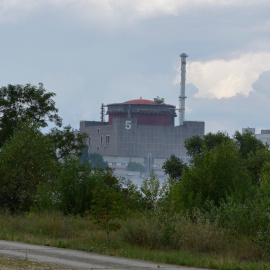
(247,143)
(25,102)
(67,141)
(194,145)
(26,161)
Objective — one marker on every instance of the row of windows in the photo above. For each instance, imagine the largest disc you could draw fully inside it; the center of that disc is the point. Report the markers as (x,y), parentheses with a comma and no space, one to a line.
(107,141)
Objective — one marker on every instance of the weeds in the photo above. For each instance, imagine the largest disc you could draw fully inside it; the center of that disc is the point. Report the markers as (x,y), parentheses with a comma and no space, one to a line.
(143,236)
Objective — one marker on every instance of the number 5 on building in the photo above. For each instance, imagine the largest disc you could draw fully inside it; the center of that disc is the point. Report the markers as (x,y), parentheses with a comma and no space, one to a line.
(128,124)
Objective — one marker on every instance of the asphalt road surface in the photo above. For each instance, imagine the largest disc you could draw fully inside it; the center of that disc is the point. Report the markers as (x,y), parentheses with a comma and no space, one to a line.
(78,259)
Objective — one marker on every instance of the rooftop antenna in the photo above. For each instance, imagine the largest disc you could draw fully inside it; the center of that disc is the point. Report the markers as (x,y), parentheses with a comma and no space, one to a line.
(182,96)
(102,113)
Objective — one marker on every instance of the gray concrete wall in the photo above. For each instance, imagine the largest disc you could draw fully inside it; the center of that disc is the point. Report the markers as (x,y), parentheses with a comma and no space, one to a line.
(127,139)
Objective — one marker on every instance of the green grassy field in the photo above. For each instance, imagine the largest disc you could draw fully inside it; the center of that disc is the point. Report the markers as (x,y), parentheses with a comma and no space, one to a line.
(220,252)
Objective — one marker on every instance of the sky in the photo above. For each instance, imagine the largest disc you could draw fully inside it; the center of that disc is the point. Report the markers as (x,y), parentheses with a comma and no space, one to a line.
(91,52)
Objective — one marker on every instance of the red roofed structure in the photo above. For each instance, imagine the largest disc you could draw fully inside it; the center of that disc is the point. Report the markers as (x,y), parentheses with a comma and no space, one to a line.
(140,101)
(147,112)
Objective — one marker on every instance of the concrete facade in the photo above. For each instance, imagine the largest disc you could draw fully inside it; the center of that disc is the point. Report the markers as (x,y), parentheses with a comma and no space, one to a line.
(124,140)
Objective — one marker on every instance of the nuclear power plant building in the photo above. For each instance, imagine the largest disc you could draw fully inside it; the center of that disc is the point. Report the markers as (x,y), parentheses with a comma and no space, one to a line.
(141,131)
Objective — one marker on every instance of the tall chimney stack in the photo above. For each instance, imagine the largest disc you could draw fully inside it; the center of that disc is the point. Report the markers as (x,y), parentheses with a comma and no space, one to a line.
(182,96)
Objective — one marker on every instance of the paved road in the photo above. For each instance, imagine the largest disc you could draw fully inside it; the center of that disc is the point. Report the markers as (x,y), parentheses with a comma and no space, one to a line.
(78,259)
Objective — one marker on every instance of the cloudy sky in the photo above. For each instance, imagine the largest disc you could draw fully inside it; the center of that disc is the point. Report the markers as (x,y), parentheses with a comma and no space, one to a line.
(106,51)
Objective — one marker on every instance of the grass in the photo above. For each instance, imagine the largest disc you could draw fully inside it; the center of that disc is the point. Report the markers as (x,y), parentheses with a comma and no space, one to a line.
(194,245)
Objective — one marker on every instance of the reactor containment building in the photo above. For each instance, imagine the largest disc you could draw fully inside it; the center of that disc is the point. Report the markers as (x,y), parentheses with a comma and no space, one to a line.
(142,131)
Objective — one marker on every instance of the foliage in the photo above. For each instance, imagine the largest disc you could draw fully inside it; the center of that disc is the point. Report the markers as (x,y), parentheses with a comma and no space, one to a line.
(254,153)
(67,141)
(218,173)
(132,197)
(106,210)
(135,166)
(212,140)
(151,190)
(23,102)
(265,178)
(26,161)
(255,162)
(194,145)
(97,160)
(247,143)
(141,237)
(69,191)
(174,167)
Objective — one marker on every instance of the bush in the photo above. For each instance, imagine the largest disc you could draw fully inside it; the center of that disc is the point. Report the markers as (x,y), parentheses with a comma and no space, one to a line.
(70,191)
(218,173)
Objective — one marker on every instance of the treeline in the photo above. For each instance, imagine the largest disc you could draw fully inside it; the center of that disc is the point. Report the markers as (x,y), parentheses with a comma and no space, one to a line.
(223,192)
(227,182)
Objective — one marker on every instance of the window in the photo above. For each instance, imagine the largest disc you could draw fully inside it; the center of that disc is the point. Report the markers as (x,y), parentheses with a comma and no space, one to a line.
(98,131)
(107,139)
(98,148)
(89,140)
(101,140)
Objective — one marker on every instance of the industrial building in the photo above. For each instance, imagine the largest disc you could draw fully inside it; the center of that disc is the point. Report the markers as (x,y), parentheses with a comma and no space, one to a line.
(142,131)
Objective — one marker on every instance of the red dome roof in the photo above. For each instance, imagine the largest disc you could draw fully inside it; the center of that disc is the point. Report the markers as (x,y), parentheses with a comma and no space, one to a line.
(140,101)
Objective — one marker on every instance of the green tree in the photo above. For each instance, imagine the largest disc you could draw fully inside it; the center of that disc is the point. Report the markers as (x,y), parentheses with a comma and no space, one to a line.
(26,161)
(24,102)
(255,162)
(247,143)
(151,190)
(132,197)
(194,145)
(265,180)
(67,141)
(174,167)
(135,166)
(254,153)
(107,210)
(218,173)
(70,190)
(97,160)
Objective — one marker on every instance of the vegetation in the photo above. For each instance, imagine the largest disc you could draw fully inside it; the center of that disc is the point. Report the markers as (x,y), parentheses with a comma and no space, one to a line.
(213,212)
(106,210)
(24,102)
(135,166)
(142,236)
(174,167)
(96,160)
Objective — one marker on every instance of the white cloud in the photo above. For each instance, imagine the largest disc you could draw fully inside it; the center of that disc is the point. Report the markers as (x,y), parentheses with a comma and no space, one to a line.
(227,78)
(104,11)
(12,10)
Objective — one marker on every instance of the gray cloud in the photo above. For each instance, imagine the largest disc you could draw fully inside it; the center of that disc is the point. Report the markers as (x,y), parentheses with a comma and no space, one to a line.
(93,52)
